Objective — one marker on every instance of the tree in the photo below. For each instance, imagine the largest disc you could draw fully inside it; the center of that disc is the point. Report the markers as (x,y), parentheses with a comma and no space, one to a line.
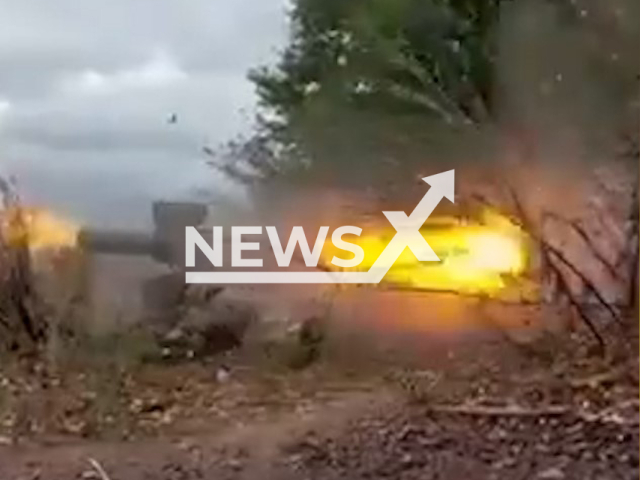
(367,86)
(366,83)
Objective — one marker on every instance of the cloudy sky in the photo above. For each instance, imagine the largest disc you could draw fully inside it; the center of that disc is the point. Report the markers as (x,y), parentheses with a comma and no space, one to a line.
(87,87)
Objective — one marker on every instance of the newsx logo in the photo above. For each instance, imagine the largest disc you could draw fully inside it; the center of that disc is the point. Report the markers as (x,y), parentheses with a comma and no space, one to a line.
(407,235)
(283,256)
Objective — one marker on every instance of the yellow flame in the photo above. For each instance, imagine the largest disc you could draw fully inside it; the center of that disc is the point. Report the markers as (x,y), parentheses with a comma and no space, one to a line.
(477,257)
(39,228)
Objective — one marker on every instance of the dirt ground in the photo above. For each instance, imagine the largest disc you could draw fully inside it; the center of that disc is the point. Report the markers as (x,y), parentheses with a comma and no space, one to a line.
(365,436)
(497,411)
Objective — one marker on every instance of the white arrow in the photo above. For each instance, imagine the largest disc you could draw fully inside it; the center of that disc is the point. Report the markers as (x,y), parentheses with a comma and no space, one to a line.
(442,185)
(408,227)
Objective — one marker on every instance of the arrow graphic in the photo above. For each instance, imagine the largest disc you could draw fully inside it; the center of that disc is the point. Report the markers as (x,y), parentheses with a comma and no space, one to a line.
(442,185)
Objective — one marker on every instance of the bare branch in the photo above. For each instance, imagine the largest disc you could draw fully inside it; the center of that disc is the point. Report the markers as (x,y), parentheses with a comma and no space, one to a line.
(575,225)
(580,309)
(507,411)
(546,246)
(99,470)
(548,252)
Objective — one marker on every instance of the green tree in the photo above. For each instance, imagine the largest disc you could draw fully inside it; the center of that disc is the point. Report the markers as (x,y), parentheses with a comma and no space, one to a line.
(369,83)
(366,86)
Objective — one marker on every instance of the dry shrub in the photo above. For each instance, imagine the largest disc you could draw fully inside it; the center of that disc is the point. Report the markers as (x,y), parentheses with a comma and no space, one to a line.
(22,325)
(44,301)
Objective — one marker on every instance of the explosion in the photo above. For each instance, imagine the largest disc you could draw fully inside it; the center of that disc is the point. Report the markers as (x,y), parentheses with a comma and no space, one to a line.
(477,256)
(38,228)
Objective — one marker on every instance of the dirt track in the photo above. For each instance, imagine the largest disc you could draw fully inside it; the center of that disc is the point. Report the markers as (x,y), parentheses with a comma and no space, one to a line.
(497,410)
(363,435)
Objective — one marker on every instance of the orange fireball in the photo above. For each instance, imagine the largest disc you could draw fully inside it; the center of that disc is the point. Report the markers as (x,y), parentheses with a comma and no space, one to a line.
(40,229)
(476,256)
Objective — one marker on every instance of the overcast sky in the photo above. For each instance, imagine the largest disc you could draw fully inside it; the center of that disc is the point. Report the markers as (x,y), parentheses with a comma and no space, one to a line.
(87,87)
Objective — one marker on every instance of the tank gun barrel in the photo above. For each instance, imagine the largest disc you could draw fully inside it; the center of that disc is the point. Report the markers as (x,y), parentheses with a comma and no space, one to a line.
(164,243)
(117,242)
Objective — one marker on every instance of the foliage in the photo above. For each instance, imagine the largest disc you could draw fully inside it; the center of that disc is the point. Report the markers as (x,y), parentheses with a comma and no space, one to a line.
(365,83)
(366,86)
(403,56)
